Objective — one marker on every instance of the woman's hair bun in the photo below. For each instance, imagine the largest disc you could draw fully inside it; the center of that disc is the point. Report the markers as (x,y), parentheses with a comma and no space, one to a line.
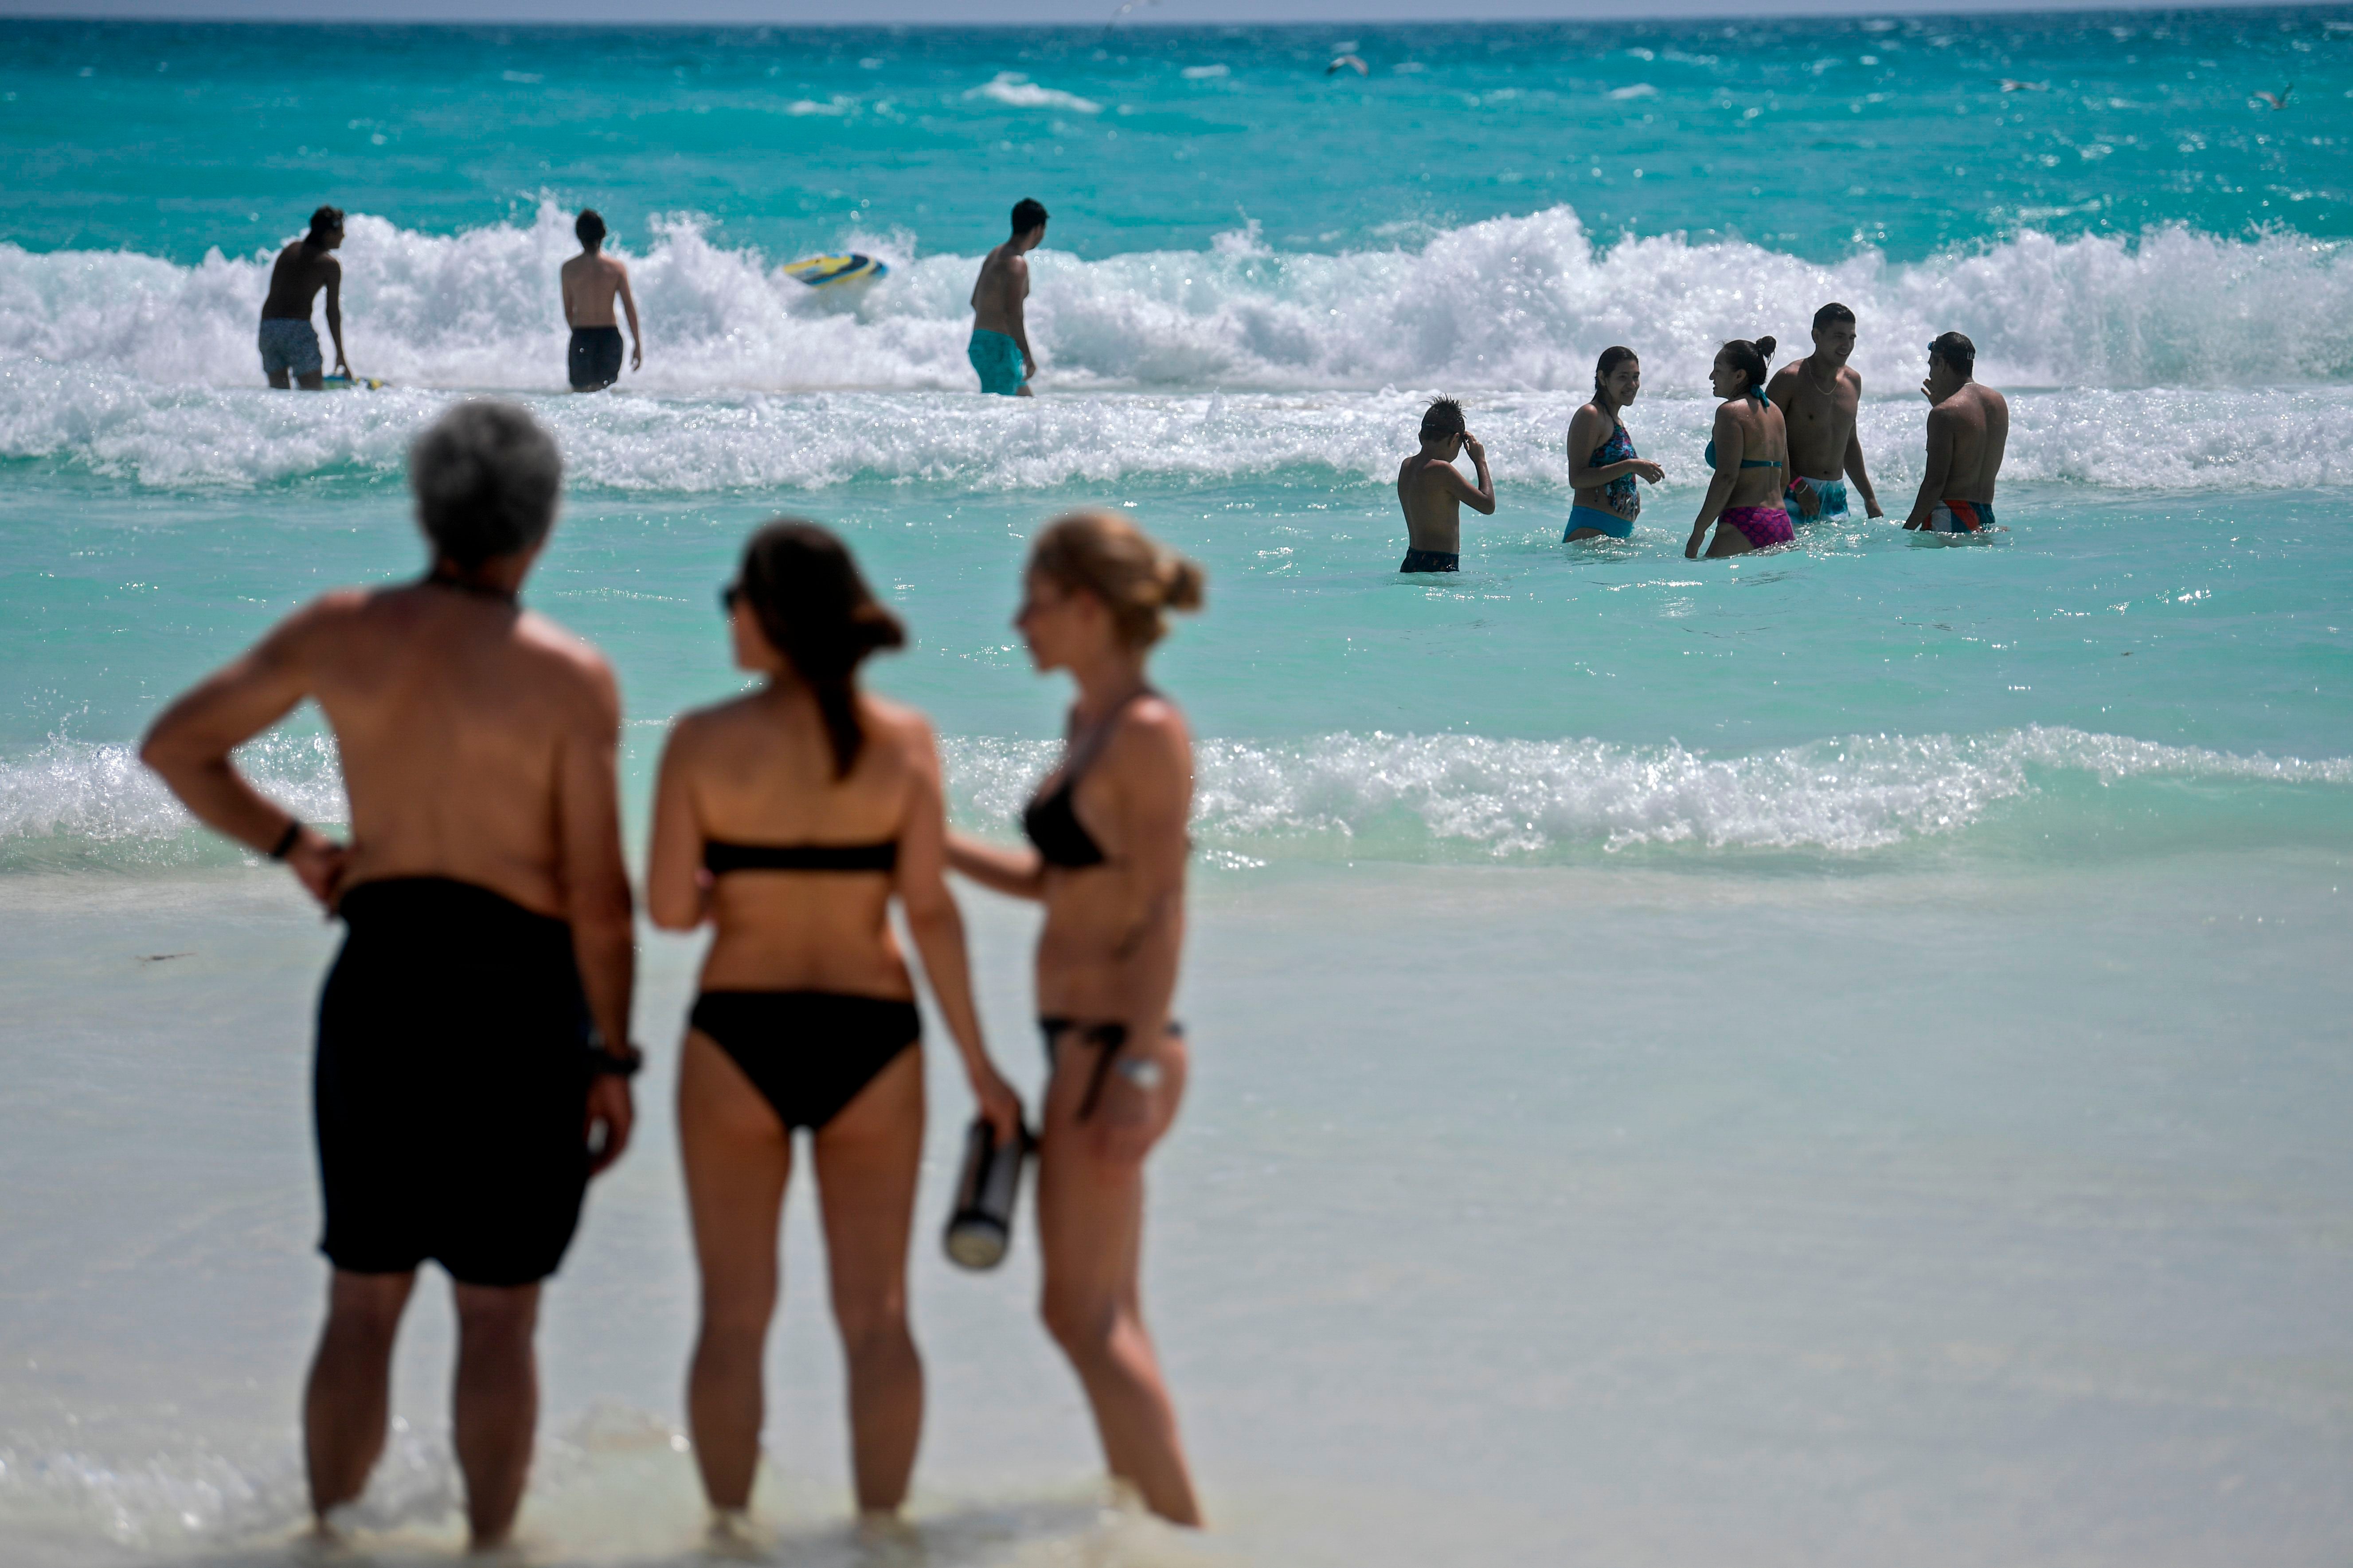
(1181,582)
(1766,345)
(1105,554)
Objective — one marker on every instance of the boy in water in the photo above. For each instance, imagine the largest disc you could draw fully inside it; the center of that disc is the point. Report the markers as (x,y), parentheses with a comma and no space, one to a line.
(1969,427)
(1432,490)
(1819,396)
(290,344)
(590,280)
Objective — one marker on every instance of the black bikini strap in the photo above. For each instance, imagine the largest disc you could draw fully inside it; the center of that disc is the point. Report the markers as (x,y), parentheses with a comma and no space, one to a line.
(1078,758)
(1110,1040)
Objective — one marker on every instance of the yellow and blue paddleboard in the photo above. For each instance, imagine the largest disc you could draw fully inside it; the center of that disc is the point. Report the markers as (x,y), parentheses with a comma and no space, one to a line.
(352,383)
(825,272)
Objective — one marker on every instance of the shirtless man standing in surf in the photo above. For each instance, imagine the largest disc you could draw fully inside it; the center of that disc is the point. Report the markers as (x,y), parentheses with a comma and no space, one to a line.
(999,350)
(290,344)
(591,279)
(1818,396)
(1969,427)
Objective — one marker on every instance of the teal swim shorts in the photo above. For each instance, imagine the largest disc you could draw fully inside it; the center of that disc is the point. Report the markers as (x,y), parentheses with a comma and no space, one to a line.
(998,358)
(1832,493)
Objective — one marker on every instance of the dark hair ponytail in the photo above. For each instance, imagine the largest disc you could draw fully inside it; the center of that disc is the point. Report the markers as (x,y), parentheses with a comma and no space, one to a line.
(1749,359)
(814,607)
(1611,358)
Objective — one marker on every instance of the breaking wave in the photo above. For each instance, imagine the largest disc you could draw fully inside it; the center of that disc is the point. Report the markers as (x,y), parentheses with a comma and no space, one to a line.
(1376,796)
(1513,303)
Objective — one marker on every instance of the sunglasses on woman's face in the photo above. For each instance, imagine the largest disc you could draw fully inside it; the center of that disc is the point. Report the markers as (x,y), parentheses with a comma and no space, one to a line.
(729,596)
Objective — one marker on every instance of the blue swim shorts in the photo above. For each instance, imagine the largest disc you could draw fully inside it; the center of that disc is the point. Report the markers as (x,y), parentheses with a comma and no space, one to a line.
(1609,522)
(291,346)
(997,358)
(1832,493)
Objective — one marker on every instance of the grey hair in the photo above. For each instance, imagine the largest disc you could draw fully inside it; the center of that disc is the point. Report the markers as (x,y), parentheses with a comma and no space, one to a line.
(487,478)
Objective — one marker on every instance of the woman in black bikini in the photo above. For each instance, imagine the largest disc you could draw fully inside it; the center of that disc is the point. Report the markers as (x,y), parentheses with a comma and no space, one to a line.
(788,818)
(1108,862)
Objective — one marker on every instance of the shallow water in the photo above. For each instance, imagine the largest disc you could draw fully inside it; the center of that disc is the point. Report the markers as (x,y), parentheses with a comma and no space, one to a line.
(1837,1056)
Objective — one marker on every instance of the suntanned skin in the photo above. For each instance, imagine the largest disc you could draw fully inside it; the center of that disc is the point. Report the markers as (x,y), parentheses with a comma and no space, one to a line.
(477,744)
(591,279)
(1433,493)
(1743,429)
(303,269)
(1000,292)
(1969,428)
(759,769)
(1108,953)
(1819,396)
(1589,429)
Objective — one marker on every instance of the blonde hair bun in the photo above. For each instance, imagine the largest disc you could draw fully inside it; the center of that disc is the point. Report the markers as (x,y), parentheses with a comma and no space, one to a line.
(1137,577)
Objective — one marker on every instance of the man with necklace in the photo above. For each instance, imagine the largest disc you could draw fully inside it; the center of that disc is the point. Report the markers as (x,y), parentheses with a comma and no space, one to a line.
(1819,396)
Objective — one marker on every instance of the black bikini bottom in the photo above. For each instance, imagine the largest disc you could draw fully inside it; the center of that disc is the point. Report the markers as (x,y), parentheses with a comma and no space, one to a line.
(807,1052)
(1108,1039)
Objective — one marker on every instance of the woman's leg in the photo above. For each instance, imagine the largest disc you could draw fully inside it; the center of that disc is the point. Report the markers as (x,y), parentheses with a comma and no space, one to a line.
(1091,1232)
(868,1159)
(737,1156)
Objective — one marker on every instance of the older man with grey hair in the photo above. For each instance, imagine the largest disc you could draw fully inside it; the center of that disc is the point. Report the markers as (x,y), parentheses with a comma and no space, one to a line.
(473,1064)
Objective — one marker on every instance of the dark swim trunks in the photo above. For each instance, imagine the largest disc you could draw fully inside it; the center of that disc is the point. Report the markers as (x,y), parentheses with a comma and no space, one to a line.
(596,358)
(1431,561)
(451,1085)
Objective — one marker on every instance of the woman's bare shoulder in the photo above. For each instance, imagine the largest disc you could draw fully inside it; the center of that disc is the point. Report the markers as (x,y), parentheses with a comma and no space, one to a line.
(1151,725)
(699,727)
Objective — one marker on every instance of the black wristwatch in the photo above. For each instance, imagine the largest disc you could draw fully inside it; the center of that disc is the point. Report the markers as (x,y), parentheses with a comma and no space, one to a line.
(604,1061)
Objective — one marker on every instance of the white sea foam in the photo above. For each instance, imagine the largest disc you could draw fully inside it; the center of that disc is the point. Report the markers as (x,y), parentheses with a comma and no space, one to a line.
(1018,91)
(1404,795)
(1515,303)
(1379,794)
(172,437)
(75,802)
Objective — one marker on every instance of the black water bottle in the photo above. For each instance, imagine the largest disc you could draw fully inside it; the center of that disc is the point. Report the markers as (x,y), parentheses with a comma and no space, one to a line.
(981,1229)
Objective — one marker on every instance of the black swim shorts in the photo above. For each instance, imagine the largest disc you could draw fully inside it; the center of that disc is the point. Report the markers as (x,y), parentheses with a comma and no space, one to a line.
(451,1085)
(594,360)
(1431,561)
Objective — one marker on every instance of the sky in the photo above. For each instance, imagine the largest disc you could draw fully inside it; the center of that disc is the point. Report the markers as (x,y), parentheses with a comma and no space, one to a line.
(968,12)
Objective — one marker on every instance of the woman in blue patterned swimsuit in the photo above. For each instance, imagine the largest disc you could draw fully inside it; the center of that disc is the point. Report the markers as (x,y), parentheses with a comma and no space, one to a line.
(1607,500)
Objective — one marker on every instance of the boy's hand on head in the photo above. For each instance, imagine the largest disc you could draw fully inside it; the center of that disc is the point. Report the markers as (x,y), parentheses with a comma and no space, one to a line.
(1471,444)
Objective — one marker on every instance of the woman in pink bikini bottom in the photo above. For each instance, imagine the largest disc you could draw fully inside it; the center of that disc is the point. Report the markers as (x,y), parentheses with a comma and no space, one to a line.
(1749,452)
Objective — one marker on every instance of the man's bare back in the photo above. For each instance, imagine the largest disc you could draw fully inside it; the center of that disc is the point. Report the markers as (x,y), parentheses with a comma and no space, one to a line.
(1969,432)
(302,270)
(591,281)
(469,731)
(1975,420)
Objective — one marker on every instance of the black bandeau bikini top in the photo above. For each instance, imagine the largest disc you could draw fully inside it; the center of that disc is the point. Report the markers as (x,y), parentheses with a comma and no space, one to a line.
(720,857)
(1052,821)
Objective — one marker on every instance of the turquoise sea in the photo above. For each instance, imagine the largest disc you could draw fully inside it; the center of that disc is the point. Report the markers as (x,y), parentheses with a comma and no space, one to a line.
(1838,1056)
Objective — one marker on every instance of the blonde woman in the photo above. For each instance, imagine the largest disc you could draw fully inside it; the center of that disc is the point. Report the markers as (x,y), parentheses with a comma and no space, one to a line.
(1107,860)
